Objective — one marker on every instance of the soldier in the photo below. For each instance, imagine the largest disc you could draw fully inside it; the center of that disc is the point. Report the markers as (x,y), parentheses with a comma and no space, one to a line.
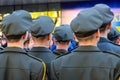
(105,44)
(42,34)
(16,64)
(63,35)
(86,62)
(114,36)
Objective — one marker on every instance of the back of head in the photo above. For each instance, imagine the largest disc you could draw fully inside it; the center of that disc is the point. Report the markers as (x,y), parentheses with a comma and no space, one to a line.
(63,33)
(42,26)
(113,34)
(86,22)
(14,24)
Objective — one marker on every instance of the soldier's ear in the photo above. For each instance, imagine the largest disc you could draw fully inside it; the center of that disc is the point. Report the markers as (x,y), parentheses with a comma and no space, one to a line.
(97,33)
(3,35)
(68,43)
(49,37)
(31,37)
(31,41)
(109,26)
(25,35)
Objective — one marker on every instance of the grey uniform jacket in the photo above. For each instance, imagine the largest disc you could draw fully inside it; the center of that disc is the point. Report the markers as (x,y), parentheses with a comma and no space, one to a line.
(86,63)
(45,54)
(106,45)
(15,64)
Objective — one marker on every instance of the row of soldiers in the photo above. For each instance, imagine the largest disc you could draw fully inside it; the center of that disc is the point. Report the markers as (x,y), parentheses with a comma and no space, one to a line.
(95,57)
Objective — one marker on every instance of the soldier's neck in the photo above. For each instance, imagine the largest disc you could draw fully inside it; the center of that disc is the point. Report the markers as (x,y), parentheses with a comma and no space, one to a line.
(64,47)
(104,34)
(15,44)
(41,44)
(88,43)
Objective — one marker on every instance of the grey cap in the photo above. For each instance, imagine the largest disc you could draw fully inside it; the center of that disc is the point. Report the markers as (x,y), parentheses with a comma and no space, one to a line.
(86,22)
(63,33)
(113,34)
(105,12)
(23,14)
(15,24)
(43,25)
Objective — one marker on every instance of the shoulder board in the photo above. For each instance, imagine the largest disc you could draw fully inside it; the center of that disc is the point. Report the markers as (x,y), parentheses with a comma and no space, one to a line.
(112,53)
(43,63)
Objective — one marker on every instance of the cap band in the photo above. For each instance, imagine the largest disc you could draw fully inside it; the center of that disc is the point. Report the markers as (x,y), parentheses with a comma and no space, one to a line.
(84,34)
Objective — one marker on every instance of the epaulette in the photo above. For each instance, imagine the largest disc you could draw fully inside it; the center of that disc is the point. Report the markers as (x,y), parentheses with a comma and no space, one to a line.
(43,63)
(112,53)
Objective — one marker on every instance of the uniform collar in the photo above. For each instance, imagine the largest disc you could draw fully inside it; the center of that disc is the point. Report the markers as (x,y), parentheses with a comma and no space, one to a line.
(87,49)
(14,50)
(60,52)
(40,49)
(103,39)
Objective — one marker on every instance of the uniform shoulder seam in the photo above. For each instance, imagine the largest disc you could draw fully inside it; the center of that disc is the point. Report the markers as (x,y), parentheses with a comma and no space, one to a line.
(112,53)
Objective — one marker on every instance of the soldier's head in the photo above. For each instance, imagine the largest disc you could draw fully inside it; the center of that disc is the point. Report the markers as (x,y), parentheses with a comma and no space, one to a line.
(114,35)
(63,34)
(107,16)
(42,28)
(86,24)
(15,26)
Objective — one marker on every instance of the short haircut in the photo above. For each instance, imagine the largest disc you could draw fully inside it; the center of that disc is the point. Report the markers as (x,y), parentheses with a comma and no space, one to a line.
(14,38)
(85,38)
(103,27)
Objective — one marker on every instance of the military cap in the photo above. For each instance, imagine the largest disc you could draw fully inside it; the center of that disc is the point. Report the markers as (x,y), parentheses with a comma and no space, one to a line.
(24,14)
(15,24)
(105,12)
(63,33)
(43,25)
(113,34)
(86,22)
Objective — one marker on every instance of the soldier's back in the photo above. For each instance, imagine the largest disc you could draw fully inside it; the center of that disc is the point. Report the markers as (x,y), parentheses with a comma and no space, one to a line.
(16,64)
(87,64)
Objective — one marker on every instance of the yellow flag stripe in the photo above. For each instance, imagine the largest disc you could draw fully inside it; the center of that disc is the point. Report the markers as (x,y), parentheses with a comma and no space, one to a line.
(118,28)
